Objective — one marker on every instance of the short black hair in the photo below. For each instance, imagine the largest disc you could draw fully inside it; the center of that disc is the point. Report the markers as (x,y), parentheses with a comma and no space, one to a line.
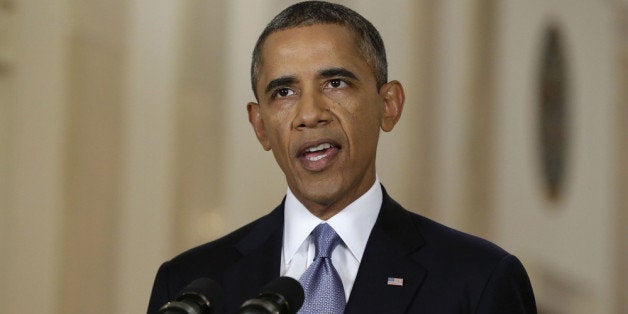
(309,13)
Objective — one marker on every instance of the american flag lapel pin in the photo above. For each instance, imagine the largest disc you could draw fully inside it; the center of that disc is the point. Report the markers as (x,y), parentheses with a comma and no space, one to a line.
(393,281)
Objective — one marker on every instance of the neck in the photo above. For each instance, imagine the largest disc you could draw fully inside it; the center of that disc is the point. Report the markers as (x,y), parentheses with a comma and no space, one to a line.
(326,210)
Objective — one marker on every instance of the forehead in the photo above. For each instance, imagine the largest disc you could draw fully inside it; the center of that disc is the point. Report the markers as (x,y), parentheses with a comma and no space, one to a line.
(320,42)
(319,31)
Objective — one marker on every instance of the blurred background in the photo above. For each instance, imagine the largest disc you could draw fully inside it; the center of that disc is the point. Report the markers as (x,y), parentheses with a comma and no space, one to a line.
(124,139)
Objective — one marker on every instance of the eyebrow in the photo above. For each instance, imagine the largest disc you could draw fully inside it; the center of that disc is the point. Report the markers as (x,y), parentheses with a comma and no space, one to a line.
(280,81)
(326,73)
(337,72)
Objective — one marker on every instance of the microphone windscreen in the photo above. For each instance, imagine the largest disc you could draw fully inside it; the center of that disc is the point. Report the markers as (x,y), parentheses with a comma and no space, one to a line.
(203,287)
(287,287)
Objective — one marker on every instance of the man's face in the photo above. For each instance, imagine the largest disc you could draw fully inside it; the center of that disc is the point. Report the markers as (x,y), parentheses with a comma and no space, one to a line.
(320,113)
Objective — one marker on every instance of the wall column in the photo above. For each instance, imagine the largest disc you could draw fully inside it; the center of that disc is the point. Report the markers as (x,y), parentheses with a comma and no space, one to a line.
(33,156)
(145,226)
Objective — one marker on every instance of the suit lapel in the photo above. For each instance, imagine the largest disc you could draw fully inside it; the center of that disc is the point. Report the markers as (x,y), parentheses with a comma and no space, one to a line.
(390,253)
(259,264)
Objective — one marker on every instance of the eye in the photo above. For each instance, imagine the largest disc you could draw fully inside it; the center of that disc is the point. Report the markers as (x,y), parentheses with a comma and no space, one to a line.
(283,92)
(336,83)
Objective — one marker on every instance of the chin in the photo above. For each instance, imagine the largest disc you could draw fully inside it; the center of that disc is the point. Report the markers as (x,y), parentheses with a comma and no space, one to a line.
(322,194)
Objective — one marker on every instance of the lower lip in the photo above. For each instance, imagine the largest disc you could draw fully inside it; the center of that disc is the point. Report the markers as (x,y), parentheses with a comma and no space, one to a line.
(319,161)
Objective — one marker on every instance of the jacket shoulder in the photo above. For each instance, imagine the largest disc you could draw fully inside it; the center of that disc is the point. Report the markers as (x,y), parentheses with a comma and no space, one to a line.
(442,243)
(210,260)
(454,243)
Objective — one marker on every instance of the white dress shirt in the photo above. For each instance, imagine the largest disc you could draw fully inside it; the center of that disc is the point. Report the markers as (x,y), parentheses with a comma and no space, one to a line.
(353,224)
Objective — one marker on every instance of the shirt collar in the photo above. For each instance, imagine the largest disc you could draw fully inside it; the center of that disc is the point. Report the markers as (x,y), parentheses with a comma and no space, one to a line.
(353,224)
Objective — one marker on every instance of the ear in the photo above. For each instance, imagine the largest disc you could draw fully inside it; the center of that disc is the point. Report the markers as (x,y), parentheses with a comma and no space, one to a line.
(393,96)
(255,118)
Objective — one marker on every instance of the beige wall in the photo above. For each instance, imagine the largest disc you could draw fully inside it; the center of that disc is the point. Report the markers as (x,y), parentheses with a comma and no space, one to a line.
(124,140)
(621,120)
(34,115)
(569,242)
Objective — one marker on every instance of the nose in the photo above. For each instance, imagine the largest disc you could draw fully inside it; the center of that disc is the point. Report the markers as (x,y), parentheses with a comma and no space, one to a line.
(312,111)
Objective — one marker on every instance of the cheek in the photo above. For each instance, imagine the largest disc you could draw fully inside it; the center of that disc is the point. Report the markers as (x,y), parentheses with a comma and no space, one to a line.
(277,127)
(362,116)
(365,125)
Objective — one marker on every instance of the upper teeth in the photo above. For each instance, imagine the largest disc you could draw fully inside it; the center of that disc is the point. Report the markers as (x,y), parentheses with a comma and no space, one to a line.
(319,147)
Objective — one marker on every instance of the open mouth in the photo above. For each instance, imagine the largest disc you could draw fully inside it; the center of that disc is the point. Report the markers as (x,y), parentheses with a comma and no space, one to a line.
(318,156)
(318,152)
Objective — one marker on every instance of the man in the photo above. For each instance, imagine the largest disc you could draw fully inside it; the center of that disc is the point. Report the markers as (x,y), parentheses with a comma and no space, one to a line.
(319,75)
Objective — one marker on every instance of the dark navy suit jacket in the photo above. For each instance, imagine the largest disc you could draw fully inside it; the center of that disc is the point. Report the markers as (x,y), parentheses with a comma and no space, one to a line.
(443,270)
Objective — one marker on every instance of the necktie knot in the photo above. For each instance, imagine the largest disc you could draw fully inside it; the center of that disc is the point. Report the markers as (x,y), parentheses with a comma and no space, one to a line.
(325,240)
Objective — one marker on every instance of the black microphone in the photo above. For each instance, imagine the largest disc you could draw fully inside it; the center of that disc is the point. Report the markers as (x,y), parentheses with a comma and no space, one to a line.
(201,296)
(283,295)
